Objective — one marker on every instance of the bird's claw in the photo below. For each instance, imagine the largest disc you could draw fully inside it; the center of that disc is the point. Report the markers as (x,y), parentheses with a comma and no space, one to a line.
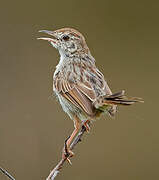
(67,153)
(87,126)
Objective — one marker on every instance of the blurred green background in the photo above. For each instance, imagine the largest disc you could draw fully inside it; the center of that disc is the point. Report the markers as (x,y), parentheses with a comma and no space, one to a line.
(123,36)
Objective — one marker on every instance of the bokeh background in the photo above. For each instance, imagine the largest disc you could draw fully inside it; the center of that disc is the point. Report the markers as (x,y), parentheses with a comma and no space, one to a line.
(124,38)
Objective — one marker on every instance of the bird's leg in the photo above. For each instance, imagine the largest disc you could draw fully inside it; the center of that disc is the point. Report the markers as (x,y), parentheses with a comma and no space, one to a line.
(69,140)
(77,125)
(86,125)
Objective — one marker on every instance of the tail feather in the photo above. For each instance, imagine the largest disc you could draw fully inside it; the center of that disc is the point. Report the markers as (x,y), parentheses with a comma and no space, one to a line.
(120,99)
(109,103)
(118,94)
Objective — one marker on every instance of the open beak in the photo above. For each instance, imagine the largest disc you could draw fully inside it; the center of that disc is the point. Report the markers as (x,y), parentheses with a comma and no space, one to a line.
(53,40)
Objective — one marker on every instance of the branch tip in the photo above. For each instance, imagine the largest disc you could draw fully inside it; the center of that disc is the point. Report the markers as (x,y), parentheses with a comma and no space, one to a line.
(5,172)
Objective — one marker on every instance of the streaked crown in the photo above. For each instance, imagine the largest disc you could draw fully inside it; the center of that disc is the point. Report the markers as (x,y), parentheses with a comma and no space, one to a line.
(67,41)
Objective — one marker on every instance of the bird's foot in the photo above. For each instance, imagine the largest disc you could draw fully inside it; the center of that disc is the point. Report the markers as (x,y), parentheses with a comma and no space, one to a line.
(87,126)
(67,153)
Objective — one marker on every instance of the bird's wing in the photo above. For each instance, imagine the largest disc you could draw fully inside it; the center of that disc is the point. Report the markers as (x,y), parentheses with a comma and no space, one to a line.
(82,93)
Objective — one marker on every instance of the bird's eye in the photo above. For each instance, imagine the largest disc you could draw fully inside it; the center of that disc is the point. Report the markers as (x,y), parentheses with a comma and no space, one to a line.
(65,37)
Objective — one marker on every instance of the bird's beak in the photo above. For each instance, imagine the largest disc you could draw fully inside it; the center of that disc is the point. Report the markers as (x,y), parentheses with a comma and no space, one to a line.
(52,33)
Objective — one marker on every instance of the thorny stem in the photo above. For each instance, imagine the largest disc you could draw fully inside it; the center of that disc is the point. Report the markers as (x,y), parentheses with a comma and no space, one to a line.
(7,173)
(59,166)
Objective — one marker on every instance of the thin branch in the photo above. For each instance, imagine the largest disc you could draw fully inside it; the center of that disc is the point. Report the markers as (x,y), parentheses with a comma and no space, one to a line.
(59,166)
(5,172)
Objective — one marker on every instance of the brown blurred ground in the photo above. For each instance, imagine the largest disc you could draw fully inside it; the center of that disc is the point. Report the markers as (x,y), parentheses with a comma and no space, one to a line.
(124,38)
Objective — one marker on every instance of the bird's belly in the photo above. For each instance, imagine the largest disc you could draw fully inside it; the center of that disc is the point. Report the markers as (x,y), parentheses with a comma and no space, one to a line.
(70,109)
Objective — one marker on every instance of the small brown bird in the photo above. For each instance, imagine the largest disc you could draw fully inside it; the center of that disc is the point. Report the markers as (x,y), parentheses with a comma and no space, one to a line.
(78,84)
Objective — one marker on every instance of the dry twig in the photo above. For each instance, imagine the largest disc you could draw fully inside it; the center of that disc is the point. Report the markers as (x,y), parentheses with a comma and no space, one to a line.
(59,166)
(7,173)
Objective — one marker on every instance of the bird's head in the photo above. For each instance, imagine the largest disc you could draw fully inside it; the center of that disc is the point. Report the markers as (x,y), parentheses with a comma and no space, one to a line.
(67,40)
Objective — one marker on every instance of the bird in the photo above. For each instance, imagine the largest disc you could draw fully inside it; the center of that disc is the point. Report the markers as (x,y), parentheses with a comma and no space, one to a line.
(78,84)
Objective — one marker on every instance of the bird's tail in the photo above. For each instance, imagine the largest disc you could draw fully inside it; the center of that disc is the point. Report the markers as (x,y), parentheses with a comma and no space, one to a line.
(118,98)
(109,103)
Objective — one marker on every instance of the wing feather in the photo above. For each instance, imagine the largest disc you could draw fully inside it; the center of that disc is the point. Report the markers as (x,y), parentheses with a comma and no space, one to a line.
(82,92)
(80,100)
(87,90)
